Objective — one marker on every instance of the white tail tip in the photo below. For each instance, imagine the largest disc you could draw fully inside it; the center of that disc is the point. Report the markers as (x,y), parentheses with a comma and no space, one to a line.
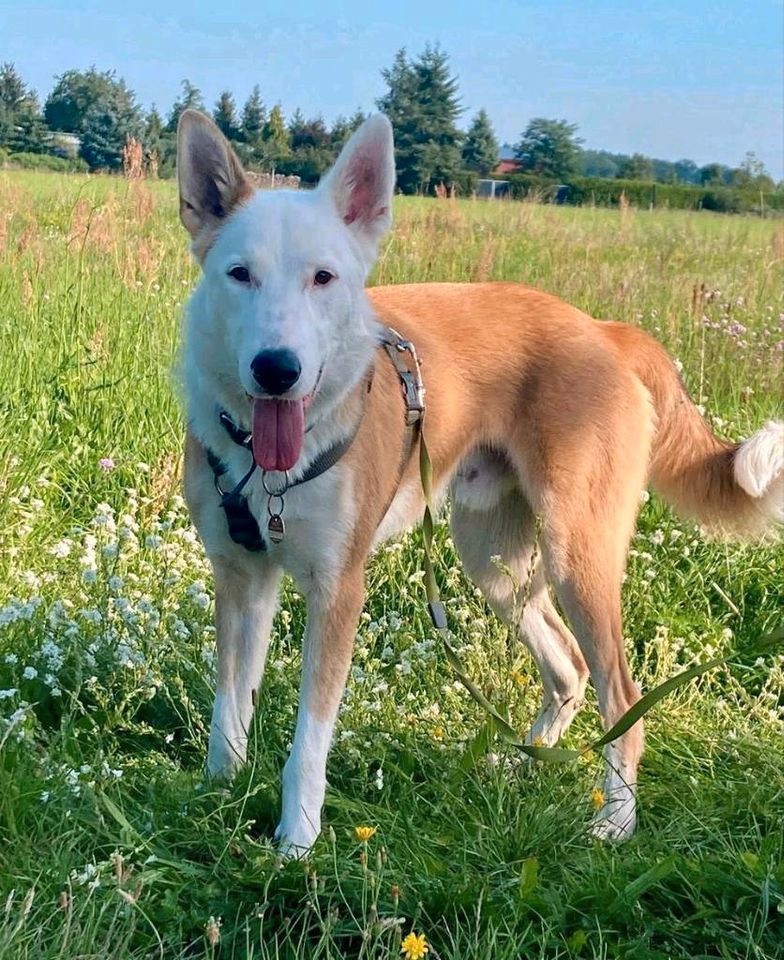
(759,467)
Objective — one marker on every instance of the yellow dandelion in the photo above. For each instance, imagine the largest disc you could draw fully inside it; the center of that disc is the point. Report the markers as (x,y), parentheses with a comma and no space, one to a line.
(519,678)
(363,834)
(438,733)
(597,798)
(414,947)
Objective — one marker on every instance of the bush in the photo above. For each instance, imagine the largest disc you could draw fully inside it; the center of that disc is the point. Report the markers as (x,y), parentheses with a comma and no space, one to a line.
(44,161)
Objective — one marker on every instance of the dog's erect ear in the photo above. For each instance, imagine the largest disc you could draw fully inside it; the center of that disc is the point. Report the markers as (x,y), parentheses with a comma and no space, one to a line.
(211,179)
(361,183)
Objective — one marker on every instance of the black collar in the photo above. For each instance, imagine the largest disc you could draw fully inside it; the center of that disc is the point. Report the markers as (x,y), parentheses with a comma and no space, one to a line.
(243,526)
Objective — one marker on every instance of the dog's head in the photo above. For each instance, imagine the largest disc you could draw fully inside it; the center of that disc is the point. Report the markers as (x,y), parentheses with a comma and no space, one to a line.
(284,272)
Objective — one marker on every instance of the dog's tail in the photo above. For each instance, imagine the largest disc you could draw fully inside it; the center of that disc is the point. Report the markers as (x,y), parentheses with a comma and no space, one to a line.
(736,489)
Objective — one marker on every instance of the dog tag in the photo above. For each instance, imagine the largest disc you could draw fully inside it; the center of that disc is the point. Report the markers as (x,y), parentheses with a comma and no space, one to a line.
(276,528)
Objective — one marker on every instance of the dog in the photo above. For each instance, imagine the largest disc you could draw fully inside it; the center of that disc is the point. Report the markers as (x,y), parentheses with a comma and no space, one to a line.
(299,419)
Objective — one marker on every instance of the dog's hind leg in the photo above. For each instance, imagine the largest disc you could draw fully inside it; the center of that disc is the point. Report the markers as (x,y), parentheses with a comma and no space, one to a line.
(592,480)
(245,603)
(490,519)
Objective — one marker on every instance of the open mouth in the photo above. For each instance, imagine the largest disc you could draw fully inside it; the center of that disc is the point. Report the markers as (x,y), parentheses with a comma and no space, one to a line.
(278,428)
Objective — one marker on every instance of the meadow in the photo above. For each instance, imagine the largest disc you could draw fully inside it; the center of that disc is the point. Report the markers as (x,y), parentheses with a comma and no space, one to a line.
(113,844)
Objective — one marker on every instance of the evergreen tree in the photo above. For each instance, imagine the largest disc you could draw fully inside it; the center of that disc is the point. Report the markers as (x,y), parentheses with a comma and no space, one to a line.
(225,116)
(549,148)
(105,128)
(423,106)
(480,150)
(21,125)
(275,138)
(190,99)
(253,117)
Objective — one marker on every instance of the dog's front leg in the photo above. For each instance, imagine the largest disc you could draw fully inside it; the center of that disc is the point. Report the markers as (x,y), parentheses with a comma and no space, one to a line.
(245,602)
(329,640)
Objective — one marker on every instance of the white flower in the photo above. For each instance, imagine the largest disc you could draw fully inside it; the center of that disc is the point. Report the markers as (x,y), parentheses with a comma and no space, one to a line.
(44,796)
(11,658)
(61,550)
(29,673)
(7,694)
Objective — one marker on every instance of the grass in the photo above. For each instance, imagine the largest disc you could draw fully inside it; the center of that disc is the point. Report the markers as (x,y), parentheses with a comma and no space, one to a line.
(112,844)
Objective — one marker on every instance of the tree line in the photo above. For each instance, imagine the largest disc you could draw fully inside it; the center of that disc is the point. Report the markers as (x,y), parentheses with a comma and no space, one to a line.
(89,115)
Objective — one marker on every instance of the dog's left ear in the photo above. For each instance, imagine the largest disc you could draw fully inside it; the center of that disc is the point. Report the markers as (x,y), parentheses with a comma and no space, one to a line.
(361,183)
(211,179)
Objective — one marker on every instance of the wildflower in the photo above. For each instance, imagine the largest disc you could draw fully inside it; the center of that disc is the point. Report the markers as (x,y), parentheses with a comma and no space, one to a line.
(29,673)
(597,798)
(106,464)
(363,834)
(438,733)
(414,946)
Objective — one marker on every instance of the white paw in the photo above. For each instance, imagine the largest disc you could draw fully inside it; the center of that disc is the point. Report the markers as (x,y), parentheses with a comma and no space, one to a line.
(616,820)
(296,841)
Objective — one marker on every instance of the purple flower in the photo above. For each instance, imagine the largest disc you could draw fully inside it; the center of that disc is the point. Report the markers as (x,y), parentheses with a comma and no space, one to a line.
(106,463)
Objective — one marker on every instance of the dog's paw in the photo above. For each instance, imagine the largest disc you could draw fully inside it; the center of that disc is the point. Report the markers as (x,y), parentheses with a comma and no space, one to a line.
(296,842)
(616,820)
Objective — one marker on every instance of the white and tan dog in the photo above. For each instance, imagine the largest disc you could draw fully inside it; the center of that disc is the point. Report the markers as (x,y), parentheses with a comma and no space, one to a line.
(532,408)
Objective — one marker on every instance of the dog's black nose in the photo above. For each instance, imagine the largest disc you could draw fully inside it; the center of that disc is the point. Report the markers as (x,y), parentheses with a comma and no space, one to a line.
(276,371)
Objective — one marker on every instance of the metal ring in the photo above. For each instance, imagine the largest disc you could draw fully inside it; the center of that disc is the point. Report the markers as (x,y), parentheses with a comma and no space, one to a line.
(273,492)
(276,513)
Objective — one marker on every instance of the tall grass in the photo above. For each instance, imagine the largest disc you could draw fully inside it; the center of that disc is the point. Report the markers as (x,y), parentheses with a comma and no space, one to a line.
(112,844)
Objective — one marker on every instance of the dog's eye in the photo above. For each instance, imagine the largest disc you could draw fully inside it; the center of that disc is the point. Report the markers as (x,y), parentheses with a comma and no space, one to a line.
(323,277)
(240,274)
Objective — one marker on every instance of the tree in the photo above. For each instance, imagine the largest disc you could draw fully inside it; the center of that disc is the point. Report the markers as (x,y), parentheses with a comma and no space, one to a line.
(225,116)
(715,174)
(480,149)
(687,171)
(275,137)
(190,99)
(423,107)
(253,116)
(21,126)
(77,92)
(635,167)
(599,163)
(752,174)
(549,148)
(104,130)
(312,152)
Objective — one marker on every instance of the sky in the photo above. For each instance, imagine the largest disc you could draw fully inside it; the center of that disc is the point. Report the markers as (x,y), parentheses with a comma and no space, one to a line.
(667,79)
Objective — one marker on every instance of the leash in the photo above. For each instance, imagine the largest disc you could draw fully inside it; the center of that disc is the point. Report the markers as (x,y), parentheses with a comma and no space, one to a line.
(244,530)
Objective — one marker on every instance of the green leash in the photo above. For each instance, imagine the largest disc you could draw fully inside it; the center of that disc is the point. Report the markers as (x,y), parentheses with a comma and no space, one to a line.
(501,726)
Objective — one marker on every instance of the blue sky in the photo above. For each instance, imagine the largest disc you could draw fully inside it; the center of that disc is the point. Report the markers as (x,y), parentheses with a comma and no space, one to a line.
(668,79)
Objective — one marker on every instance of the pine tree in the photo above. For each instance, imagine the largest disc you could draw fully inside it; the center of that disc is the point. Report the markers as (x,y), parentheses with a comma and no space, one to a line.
(225,116)
(190,99)
(275,137)
(253,116)
(480,150)
(423,106)
(22,128)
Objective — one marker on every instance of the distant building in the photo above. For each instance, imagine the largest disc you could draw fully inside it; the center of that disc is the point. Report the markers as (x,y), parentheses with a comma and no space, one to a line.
(65,144)
(507,162)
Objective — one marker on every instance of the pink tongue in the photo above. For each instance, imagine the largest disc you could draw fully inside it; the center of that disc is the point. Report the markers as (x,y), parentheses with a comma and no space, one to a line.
(278,433)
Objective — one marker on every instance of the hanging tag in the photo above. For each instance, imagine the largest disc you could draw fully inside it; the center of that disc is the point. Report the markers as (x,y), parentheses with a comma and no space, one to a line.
(276,528)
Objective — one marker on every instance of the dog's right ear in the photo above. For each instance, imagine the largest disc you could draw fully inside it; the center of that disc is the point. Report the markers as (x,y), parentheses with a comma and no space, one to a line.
(210,177)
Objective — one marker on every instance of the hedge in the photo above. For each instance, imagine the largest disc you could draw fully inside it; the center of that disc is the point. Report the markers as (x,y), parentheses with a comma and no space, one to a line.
(639,193)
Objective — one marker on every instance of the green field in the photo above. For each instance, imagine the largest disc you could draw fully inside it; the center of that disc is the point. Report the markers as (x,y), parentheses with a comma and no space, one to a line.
(113,843)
